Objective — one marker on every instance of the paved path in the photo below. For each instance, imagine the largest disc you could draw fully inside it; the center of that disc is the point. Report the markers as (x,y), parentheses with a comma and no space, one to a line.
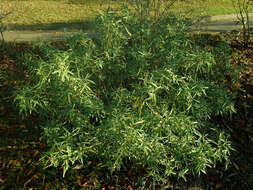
(213,24)
(221,23)
(36,35)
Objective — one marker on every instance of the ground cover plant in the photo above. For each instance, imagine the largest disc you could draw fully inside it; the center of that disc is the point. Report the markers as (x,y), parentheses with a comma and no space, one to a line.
(142,95)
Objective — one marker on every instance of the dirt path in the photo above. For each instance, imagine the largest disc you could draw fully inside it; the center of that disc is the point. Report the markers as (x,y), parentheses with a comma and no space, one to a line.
(214,24)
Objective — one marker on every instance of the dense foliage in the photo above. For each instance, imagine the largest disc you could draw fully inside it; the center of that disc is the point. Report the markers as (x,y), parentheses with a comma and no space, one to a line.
(141,93)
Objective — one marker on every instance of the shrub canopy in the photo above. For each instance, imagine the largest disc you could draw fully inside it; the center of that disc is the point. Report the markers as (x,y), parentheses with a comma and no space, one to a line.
(140,93)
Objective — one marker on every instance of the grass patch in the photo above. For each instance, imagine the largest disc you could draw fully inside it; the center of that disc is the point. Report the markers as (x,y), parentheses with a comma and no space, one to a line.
(30,14)
(50,12)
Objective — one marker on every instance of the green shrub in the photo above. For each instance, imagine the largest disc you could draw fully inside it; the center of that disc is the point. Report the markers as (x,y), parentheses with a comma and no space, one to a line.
(140,93)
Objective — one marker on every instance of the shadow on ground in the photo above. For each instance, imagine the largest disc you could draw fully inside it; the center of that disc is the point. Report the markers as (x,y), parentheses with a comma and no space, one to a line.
(75,25)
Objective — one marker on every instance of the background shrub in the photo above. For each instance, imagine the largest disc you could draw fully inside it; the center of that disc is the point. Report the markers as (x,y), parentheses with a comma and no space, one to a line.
(140,93)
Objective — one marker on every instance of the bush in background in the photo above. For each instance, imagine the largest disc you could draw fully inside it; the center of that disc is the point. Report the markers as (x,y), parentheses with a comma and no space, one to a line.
(141,93)
(243,10)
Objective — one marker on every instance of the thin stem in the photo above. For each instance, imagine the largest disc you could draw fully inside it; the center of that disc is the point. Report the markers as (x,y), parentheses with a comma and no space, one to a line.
(3,41)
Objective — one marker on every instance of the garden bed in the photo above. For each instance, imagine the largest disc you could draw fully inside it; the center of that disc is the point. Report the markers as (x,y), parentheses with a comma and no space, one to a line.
(21,142)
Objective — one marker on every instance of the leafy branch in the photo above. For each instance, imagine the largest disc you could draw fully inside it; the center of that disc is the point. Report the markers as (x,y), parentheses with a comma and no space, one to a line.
(244,9)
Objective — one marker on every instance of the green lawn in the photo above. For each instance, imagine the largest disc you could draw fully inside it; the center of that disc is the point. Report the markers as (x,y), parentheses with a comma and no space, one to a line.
(32,13)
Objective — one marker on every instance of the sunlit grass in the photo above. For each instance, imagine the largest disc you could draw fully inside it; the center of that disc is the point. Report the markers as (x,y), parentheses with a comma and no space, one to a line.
(204,7)
(48,12)
(34,12)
